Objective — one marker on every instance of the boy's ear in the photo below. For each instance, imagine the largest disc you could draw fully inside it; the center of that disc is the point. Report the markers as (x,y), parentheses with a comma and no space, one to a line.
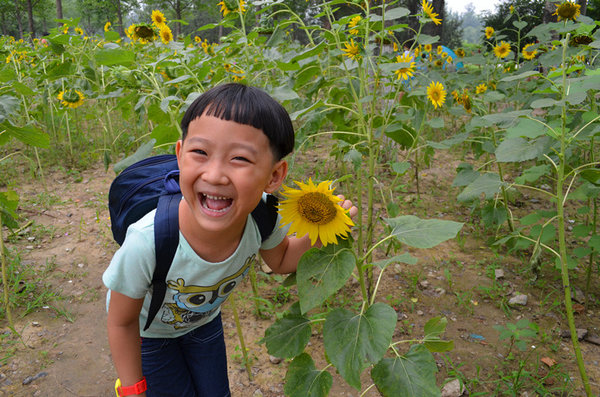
(178,146)
(278,174)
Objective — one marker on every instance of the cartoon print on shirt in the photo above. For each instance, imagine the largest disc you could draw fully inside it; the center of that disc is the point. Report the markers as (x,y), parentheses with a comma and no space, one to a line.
(193,302)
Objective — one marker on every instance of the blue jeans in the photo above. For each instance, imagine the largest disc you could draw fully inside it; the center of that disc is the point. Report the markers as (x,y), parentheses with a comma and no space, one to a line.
(192,365)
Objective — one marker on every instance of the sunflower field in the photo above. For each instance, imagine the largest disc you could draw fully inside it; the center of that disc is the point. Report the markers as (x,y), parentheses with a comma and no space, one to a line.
(520,116)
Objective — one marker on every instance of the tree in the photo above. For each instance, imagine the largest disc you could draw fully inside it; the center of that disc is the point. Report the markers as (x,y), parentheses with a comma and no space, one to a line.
(530,11)
(59,12)
(452,30)
(593,10)
(471,25)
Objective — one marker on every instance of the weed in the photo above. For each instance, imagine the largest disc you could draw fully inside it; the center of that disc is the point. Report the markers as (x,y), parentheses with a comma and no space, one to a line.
(28,289)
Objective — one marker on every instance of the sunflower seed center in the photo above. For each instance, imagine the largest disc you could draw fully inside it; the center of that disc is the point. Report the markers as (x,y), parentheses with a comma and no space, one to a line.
(316,208)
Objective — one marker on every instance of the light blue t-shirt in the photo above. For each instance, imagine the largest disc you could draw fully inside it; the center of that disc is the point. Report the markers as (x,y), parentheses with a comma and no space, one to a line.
(195,288)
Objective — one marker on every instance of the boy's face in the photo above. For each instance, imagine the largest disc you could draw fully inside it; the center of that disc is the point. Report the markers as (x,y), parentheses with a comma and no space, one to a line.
(224,169)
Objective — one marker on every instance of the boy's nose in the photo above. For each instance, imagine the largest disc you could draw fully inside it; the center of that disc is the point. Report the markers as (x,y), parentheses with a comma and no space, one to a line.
(213,173)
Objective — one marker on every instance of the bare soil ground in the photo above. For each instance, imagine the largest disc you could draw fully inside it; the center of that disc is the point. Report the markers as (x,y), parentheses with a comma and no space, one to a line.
(63,349)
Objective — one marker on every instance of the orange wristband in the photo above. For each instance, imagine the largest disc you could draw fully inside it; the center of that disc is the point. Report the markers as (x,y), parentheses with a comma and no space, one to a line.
(138,388)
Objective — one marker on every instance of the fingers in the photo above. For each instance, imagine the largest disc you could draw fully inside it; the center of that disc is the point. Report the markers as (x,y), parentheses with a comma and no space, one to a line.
(347,205)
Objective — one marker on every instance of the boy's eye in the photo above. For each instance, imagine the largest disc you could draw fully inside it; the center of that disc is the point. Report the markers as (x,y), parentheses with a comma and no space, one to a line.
(241,158)
(199,151)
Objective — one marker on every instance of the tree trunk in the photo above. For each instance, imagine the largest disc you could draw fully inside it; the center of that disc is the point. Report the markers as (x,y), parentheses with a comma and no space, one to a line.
(59,14)
(583,5)
(414,6)
(549,9)
(18,18)
(431,28)
(120,27)
(30,18)
(178,16)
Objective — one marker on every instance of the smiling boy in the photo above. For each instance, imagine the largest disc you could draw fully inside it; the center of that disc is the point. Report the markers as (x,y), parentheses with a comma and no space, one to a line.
(232,151)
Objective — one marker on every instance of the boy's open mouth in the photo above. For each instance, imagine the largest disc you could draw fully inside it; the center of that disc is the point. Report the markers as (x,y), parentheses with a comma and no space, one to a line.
(215,203)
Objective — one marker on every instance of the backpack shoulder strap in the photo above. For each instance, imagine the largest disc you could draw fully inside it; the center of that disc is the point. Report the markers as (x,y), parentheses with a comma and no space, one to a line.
(265,216)
(166,240)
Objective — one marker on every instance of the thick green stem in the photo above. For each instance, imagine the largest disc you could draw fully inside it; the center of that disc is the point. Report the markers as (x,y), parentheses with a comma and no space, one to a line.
(5,279)
(511,226)
(588,276)
(560,202)
(238,327)
(254,284)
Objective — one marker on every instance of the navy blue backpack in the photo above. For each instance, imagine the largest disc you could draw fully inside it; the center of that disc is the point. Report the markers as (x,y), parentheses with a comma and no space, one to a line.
(154,183)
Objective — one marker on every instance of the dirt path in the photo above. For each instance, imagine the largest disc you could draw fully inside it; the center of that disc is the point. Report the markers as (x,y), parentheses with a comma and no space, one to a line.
(71,237)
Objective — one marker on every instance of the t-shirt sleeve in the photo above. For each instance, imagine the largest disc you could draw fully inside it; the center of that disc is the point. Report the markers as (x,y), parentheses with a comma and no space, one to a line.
(276,236)
(130,270)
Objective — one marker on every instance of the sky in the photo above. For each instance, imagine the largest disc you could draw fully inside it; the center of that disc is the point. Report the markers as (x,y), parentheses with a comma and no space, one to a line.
(480,5)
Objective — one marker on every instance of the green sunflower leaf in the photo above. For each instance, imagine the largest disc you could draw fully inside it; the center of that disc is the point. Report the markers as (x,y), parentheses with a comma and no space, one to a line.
(354,341)
(412,374)
(422,233)
(288,336)
(321,272)
(304,380)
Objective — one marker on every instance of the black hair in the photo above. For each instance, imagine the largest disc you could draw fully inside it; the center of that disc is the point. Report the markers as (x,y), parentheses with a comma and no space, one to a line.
(245,105)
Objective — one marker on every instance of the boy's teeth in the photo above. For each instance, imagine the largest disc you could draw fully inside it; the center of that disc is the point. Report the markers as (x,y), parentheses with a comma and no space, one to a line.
(216,203)
(216,197)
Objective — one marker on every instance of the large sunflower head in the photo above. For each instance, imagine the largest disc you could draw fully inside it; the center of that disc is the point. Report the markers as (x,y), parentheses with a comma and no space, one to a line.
(489,32)
(567,10)
(436,93)
(158,18)
(502,50)
(143,32)
(405,72)
(71,98)
(314,210)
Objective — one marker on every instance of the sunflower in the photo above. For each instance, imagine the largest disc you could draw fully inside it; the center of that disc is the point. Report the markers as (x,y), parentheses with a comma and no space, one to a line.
(165,34)
(143,33)
(529,54)
(465,100)
(107,26)
(489,32)
(481,88)
(511,9)
(71,98)
(438,63)
(405,73)
(502,50)
(567,10)
(79,31)
(428,10)
(238,75)
(65,28)
(439,50)
(228,6)
(455,95)
(427,48)
(352,50)
(436,93)
(314,210)
(158,18)
(352,24)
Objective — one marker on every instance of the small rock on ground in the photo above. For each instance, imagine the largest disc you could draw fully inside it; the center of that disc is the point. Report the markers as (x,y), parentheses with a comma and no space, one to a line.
(453,389)
(518,300)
